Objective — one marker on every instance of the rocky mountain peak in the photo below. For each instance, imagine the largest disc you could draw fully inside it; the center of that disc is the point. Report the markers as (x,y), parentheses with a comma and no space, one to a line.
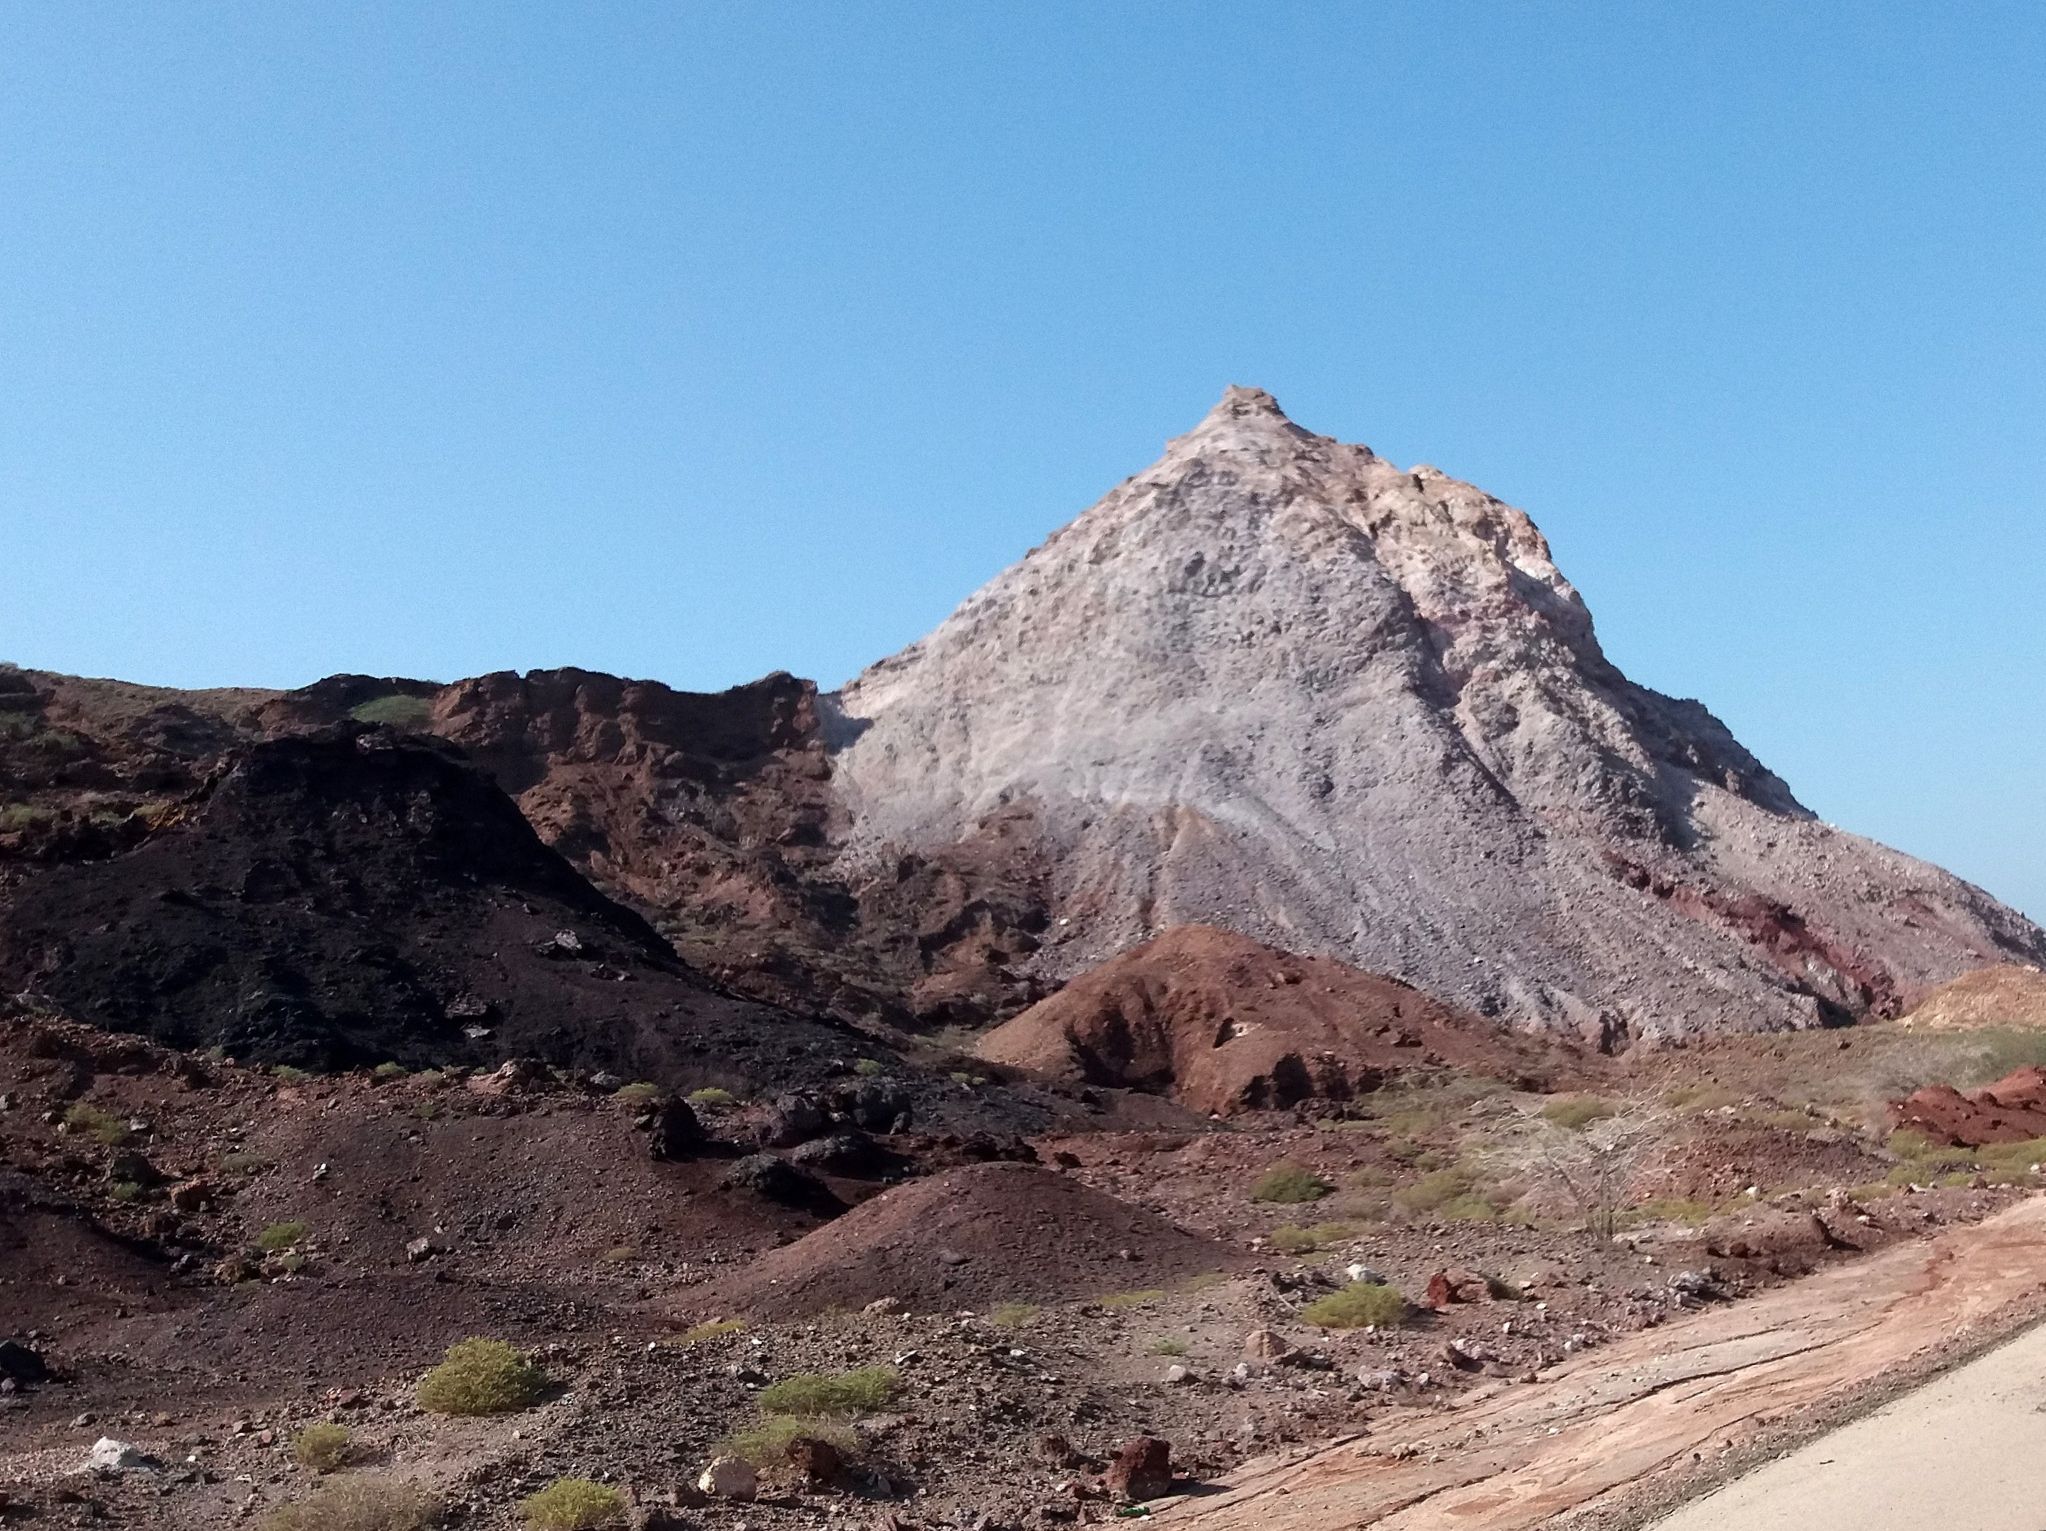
(1278,684)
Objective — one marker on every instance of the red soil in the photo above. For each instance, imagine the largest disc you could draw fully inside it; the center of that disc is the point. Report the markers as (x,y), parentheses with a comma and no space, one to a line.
(982,1234)
(1225,1024)
(2009,1111)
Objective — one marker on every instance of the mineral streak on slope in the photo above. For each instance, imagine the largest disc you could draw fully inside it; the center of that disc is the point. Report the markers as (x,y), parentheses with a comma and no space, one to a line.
(1276,684)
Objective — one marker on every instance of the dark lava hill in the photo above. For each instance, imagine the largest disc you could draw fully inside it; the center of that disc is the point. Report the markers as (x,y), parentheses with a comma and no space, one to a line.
(357,897)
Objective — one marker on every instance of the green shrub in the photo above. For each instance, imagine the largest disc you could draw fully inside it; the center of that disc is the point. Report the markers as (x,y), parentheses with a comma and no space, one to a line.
(638,1095)
(1011,1315)
(280,1236)
(867,1068)
(244,1161)
(716,1329)
(1357,1305)
(322,1447)
(395,710)
(1577,1112)
(1294,1239)
(832,1393)
(284,1073)
(767,1443)
(2012,1161)
(103,1126)
(1450,1195)
(481,1377)
(573,1504)
(712,1095)
(1289,1184)
(357,1503)
(125,1190)
(388,1071)
(1170,1345)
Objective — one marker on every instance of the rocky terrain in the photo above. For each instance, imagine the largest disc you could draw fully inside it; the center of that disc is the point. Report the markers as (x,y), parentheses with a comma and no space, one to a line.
(1256,975)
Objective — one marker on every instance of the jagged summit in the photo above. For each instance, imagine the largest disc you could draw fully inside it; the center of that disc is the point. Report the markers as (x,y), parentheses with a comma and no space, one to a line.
(1277,684)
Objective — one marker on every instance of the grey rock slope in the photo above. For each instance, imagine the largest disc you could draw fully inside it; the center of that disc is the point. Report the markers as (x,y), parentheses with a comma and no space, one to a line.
(1276,683)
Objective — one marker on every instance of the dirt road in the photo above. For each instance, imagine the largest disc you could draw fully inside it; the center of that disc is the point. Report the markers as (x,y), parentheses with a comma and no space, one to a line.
(1667,1407)
(1966,1450)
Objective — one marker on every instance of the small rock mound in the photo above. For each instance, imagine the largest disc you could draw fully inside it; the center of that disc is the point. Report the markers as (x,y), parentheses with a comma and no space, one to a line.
(972,1236)
(2013,1110)
(2012,994)
(1223,1023)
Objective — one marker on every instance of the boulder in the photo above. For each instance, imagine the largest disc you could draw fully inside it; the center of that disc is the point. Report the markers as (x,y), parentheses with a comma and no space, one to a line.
(788,1120)
(676,1132)
(109,1455)
(1267,1345)
(818,1461)
(1142,1470)
(19,1364)
(776,1180)
(729,1478)
(191,1195)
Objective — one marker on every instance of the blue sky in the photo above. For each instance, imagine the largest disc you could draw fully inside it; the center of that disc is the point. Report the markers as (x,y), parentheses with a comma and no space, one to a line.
(698,341)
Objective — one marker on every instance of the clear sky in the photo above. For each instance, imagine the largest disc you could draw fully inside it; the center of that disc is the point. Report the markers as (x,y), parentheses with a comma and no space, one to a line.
(697,341)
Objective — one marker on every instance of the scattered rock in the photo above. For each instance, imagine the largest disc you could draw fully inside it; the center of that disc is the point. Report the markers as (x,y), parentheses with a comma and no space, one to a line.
(191,1196)
(777,1180)
(421,1248)
(109,1455)
(818,1461)
(729,1478)
(790,1119)
(676,1132)
(1457,1284)
(21,1365)
(1142,1470)
(1267,1345)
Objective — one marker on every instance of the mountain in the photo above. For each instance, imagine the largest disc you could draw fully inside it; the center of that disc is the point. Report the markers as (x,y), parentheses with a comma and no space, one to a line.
(1276,684)
(1273,684)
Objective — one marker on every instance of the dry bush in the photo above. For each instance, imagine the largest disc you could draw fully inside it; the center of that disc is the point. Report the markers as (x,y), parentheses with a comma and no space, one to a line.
(1357,1306)
(481,1377)
(574,1504)
(322,1447)
(1289,1184)
(815,1394)
(358,1504)
(767,1443)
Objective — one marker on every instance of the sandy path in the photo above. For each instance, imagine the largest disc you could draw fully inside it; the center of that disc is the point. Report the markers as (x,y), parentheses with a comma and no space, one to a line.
(1601,1427)
(1968,1450)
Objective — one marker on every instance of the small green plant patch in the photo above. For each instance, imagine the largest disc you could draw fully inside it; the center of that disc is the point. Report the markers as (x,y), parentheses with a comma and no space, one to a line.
(394,711)
(638,1095)
(869,1068)
(827,1394)
(1574,1113)
(357,1503)
(101,1126)
(385,1072)
(1289,1184)
(322,1447)
(713,1095)
(716,1329)
(767,1443)
(1011,1315)
(280,1236)
(1361,1304)
(574,1504)
(1451,1195)
(481,1377)
(1294,1239)
(1169,1345)
(1135,1299)
(284,1073)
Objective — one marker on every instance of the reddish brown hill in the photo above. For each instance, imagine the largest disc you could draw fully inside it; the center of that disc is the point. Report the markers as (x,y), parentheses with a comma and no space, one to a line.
(983,1234)
(1224,1024)
(2012,1110)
